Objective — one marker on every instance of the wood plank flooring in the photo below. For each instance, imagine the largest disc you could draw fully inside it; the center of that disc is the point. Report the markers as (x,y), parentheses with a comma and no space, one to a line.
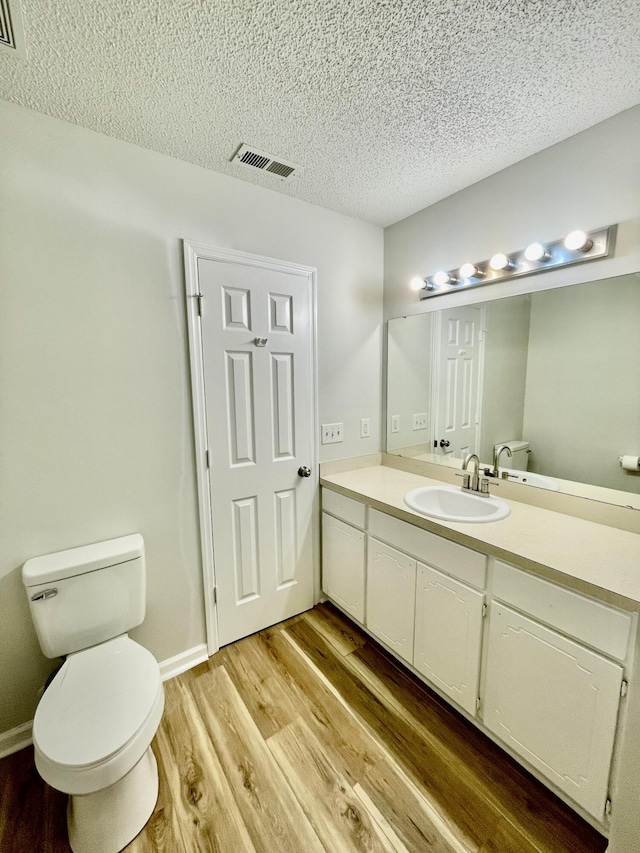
(307,737)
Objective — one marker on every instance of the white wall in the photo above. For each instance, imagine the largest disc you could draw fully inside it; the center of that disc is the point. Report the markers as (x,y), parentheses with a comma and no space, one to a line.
(95,423)
(588,181)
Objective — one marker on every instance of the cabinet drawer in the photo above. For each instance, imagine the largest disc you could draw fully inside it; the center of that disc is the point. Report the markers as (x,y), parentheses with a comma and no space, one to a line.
(456,560)
(346,508)
(596,624)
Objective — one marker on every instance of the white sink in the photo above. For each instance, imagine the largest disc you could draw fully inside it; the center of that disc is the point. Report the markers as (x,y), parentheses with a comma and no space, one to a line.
(450,503)
(538,481)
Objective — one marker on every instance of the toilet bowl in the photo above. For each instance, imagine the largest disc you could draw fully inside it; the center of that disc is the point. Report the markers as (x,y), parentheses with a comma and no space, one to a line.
(93,727)
(98,716)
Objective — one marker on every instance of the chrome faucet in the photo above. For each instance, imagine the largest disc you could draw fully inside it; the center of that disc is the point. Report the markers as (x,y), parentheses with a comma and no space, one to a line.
(473,483)
(470,483)
(498,450)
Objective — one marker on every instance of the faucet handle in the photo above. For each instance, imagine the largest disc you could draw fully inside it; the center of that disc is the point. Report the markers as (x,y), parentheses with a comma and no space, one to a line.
(466,480)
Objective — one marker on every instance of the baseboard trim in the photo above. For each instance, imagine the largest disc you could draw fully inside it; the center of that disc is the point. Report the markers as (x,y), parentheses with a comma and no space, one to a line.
(16,739)
(185,660)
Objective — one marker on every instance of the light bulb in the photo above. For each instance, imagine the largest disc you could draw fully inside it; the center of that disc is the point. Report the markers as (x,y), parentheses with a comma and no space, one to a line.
(536,252)
(577,241)
(441,278)
(499,262)
(417,283)
(470,271)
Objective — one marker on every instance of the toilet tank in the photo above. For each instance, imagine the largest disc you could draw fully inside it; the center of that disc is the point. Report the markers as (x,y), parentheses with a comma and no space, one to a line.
(519,459)
(84,596)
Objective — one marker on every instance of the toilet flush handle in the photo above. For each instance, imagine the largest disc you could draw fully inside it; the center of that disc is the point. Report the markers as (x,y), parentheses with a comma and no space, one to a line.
(46,593)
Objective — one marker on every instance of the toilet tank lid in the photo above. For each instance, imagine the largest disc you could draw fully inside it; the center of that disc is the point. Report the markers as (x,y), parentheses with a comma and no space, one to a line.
(514,446)
(76,561)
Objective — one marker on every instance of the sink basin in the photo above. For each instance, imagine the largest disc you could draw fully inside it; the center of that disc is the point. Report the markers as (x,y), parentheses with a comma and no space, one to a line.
(538,481)
(450,503)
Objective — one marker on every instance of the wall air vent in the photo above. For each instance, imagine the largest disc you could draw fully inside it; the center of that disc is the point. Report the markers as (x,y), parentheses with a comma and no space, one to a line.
(248,156)
(11,34)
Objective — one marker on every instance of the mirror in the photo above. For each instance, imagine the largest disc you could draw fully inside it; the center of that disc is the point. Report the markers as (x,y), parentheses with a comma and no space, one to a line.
(556,370)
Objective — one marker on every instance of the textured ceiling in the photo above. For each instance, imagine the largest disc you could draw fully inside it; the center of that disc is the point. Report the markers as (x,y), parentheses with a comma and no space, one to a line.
(385,106)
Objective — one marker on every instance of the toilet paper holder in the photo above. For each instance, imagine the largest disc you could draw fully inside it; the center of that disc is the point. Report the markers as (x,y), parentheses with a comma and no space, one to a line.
(629,462)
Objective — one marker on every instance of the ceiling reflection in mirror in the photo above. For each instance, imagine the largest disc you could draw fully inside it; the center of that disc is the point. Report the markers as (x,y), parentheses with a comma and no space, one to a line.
(555,374)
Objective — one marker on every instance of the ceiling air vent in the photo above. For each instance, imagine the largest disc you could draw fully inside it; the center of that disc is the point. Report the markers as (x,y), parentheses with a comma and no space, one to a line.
(11,26)
(261,160)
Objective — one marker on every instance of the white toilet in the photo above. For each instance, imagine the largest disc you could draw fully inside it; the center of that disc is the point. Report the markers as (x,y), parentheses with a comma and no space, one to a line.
(519,459)
(94,724)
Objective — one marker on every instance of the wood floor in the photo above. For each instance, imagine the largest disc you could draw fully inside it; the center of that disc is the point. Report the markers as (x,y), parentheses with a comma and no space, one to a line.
(308,738)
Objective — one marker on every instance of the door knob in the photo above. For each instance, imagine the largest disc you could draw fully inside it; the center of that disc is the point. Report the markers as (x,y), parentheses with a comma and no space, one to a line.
(444,443)
(303,471)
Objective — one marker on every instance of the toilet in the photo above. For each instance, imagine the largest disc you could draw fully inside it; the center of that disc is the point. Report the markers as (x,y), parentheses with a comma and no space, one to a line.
(519,459)
(95,722)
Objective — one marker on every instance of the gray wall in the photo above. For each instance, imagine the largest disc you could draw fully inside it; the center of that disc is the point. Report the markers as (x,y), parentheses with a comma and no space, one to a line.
(409,355)
(505,370)
(96,434)
(588,181)
(589,413)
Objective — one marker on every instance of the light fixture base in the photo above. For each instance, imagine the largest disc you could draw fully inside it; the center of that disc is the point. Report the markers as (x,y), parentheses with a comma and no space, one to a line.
(602,242)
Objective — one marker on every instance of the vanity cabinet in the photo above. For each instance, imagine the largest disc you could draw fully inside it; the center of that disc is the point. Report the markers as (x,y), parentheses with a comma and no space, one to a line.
(391,595)
(448,635)
(539,666)
(551,691)
(343,554)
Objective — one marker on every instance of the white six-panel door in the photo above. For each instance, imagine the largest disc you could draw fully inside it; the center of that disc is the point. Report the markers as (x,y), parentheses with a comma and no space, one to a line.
(459,372)
(258,376)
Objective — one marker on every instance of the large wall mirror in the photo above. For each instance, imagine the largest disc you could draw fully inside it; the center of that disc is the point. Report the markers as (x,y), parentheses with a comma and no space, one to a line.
(554,373)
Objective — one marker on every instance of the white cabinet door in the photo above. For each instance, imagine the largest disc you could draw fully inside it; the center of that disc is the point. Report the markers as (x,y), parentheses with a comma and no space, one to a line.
(448,636)
(391,595)
(553,702)
(343,565)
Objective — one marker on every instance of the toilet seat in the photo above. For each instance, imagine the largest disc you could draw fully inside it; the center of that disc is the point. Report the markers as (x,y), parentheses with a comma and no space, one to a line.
(98,716)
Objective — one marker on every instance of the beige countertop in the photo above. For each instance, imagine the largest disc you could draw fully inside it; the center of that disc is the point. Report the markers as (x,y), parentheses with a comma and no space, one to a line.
(594,558)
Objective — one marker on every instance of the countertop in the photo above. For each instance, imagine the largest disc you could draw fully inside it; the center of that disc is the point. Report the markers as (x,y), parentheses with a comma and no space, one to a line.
(593,558)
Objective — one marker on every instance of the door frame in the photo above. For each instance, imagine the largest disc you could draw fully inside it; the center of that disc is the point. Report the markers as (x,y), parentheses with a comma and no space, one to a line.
(193,252)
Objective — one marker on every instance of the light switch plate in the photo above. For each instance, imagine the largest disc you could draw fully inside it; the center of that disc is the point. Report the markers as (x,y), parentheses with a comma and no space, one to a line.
(420,420)
(395,423)
(331,433)
(365,428)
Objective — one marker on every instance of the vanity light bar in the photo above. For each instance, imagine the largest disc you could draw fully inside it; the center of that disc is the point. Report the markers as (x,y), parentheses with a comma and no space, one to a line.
(577,247)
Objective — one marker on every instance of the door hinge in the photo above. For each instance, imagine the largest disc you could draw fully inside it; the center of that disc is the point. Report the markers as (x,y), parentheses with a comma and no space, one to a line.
(478,704)
(607,807)
(199,297)
(207,458)
(215,595)
(484,611)
(624,687)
